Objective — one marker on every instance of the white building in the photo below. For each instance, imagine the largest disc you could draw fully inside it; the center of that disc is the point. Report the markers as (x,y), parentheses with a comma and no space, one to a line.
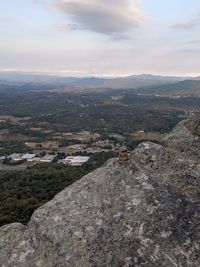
(36,159)
(76,161)
(15,157)
(28,156)
(47,158)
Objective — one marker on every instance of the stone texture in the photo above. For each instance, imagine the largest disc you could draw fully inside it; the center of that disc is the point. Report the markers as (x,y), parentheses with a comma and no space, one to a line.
(16,248)
(185,138)
(141,213)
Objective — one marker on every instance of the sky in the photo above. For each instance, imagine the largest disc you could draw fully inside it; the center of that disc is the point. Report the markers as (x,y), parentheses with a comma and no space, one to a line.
(100,37)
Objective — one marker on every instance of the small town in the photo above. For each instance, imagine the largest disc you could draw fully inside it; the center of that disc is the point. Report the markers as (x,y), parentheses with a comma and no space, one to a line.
(50,152)
(19,158)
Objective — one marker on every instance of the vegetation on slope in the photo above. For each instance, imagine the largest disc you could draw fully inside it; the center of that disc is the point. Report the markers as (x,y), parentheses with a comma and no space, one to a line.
(24,191)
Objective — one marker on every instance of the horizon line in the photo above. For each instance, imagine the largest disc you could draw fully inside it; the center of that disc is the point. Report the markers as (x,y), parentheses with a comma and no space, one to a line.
(81,74)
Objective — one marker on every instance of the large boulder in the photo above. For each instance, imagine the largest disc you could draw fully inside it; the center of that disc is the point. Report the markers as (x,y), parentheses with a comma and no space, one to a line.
(143,213)
(185,137)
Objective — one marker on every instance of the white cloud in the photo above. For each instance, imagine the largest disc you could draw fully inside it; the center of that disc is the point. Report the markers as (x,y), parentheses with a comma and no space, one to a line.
(103,16)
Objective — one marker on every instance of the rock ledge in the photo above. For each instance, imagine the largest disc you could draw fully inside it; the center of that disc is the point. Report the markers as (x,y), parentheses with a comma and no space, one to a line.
(141,213)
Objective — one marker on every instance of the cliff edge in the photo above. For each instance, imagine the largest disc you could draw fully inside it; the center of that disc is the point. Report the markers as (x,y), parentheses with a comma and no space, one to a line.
(143,213)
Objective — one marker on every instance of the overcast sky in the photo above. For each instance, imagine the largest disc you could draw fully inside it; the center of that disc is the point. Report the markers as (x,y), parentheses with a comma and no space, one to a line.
(101,37)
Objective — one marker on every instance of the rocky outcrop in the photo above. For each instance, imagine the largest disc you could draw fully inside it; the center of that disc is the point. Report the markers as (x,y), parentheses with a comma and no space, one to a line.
(185,138)
(143,213)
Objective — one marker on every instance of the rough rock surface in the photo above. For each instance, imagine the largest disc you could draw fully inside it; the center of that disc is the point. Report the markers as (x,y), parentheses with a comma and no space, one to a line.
(141,213)
(16,248)
(185,137)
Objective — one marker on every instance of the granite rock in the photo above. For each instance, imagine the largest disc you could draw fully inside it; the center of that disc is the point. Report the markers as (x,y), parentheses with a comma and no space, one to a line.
(185,137)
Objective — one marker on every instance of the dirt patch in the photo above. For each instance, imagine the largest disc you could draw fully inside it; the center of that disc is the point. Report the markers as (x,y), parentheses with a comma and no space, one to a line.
(5,136)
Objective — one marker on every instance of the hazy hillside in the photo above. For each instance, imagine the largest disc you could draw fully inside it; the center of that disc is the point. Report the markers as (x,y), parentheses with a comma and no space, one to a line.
(48,79)
(187,87)
(133,81)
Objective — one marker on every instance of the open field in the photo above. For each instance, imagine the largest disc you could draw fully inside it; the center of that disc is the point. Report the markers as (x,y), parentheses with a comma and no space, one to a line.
(43,120)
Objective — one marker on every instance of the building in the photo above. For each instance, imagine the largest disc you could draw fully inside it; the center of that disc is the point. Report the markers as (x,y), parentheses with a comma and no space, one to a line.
(36,159)
(47,158)
(15,157)
(28,156)
(76,161)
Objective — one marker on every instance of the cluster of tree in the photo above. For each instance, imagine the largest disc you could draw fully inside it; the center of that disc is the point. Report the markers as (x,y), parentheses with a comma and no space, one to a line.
(10,147)
(21,192)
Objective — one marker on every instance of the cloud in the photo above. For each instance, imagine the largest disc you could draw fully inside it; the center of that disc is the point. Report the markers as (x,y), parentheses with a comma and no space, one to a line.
(66,26)
(103,16)
(187,24)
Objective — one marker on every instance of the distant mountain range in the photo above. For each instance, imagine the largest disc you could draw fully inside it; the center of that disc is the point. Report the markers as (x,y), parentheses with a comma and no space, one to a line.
(118,82)
(23,77)
(181,88)
(136,81)
(146,83)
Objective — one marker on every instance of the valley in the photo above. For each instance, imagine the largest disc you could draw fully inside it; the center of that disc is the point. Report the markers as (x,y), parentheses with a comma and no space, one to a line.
(41,131)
